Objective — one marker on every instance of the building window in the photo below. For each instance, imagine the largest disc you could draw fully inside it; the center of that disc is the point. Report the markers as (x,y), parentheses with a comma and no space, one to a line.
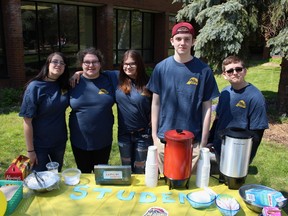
(3,68)
(133,30)
(47,29)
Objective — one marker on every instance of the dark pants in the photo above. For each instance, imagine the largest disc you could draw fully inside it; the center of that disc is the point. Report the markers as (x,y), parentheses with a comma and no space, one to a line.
(86,160)
(56,154)
(133,149)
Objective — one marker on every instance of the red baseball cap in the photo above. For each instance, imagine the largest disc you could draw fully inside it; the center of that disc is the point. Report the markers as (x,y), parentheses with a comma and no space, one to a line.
(182,27)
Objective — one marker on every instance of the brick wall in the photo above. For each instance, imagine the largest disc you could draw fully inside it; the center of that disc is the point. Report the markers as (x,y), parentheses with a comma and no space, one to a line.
(13,43)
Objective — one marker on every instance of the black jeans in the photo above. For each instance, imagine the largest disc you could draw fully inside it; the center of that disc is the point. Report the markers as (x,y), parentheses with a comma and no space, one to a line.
(86,160)
(56,154)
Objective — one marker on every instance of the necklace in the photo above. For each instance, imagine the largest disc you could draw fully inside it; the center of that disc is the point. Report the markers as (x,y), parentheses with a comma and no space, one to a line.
(51,78)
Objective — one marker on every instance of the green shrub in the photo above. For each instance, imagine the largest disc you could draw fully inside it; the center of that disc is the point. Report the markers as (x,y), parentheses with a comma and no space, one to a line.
(149,70)
(10,98)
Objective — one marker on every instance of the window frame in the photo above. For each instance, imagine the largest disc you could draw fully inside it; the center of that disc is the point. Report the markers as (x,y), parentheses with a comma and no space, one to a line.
(118,52)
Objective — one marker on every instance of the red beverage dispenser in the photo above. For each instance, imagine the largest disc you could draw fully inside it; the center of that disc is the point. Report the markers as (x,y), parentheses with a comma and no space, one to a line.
(178,157)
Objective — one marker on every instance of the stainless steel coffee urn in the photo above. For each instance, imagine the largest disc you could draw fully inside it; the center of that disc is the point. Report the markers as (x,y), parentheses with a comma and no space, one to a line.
(235,154)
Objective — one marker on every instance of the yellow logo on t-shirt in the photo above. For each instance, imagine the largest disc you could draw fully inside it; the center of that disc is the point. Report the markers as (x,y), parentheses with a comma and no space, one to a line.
(241,104)
(64,91)
(145,93)
(103,91)
(192,81)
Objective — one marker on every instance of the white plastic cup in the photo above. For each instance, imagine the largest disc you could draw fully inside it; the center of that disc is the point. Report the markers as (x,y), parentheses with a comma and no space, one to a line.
(150,182)
(52,166)
(152,155)
(203,168)
(151,169)
(151,175)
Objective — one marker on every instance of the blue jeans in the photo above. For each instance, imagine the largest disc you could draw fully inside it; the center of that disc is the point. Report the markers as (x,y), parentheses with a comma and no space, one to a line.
(133,149)
(56,154)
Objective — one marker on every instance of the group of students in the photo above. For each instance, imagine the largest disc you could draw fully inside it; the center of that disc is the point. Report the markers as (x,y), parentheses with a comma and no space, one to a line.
(178,95)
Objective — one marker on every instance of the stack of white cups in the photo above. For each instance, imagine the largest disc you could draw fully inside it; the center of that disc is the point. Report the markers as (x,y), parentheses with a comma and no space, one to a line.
(151,169)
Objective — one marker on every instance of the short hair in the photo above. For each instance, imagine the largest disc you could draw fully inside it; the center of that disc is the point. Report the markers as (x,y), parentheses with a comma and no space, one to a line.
(93,51)
(230,60)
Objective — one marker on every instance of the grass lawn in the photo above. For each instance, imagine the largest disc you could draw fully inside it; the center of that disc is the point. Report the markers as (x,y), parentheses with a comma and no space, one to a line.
(269,166)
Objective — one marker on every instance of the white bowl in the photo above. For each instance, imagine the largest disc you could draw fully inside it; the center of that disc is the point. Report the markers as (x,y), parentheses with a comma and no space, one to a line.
(227,205)
(200,199)
(71,176)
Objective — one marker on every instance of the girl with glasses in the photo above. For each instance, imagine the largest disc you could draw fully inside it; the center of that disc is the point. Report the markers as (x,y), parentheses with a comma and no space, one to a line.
(43,109)
(91,118)
(134,112)
(134,109)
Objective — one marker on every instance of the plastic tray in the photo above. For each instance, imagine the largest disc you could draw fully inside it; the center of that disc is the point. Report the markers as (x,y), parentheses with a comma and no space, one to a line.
(17,197)
(112,175)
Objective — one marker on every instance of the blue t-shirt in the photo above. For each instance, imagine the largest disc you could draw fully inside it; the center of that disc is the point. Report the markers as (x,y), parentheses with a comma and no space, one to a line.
(182,89)
(91,118)
(244,108)
(134,110)
(46,104)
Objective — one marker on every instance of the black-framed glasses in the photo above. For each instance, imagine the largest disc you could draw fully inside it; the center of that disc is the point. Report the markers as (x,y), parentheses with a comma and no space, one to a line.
(56,62)
(88,63)
(131,65)
(237,69)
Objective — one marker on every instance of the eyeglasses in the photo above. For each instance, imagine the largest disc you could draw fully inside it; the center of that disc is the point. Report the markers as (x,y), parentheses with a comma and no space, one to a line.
(56,62)
(88,63)
(237,69)
(132,65)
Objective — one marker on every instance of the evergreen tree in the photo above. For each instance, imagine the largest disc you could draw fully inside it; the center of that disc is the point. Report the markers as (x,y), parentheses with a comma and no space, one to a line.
(279,46)
(227,26)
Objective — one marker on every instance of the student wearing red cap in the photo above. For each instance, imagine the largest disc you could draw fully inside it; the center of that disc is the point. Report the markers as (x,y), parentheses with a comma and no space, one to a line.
(183,88)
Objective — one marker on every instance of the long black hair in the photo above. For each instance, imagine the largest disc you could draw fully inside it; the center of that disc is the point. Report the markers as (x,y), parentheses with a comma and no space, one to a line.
(63,80)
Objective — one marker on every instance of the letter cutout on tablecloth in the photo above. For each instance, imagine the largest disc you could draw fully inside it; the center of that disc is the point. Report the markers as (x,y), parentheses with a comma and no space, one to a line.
(166,198)
(146,197)
(102,191)
(120,195)
(78,190)
(182,197)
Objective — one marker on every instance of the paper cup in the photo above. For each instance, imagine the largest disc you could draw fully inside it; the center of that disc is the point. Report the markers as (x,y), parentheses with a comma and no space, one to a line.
(152,155)
(151,175)
(151,182)
(151,168)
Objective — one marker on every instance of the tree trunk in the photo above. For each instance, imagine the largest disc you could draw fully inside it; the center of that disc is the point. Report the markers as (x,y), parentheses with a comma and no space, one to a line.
(283,88)
(266,52)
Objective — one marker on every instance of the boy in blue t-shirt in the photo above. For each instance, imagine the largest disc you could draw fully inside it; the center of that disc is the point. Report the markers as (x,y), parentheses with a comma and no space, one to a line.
(183,88)
(240,105)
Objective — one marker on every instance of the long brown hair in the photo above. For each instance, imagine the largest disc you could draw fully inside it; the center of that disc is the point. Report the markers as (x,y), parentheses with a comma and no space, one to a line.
(141,77)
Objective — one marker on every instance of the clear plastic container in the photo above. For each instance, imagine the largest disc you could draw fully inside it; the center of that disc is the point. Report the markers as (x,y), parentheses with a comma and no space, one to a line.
(71,176)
